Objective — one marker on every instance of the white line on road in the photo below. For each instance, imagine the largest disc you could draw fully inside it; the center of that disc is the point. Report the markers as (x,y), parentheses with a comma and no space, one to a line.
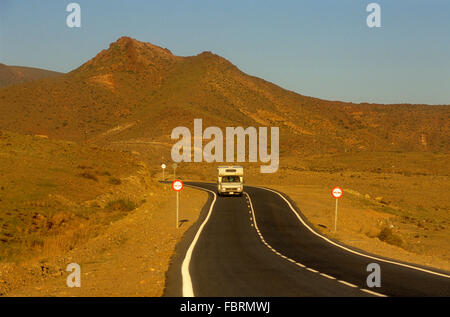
(312,270)
(347,249)
(188,290)
(328,276)
(291,260)
(372,292)
(347,283)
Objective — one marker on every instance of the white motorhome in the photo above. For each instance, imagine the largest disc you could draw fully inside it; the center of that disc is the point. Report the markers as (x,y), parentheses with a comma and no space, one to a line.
(230,180)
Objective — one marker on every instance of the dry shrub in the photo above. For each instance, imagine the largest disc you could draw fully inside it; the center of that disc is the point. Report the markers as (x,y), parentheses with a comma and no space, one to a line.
(115,181)
(120,205)
(88,176)
(103,173)
(61,243)
(388,236)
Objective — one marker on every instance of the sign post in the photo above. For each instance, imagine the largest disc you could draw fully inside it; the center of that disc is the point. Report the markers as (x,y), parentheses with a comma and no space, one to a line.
(163,166)
(336,193)
(177,186)
(174,165)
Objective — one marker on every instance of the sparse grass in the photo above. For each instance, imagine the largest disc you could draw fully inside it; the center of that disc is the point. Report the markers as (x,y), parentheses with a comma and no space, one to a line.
(43,188)
(114,181)
(103,173)
(83,167)
(67,240)
(89,176)
(46,184)
(120,205)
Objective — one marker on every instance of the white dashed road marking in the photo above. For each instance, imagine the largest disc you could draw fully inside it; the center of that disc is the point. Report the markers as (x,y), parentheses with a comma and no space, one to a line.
(297,263)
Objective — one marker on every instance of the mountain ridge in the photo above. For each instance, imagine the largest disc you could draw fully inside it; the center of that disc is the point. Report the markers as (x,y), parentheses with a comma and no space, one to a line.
(12,75)
(144,84)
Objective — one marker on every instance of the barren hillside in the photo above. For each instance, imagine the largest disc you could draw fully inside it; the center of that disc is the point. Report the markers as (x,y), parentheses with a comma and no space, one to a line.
(135,90)
(12,75)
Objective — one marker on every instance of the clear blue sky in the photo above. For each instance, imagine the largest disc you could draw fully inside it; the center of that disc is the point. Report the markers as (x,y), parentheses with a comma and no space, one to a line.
(317,48)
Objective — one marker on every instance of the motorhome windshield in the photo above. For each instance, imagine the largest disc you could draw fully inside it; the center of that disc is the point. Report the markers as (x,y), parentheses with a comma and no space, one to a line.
(230,179)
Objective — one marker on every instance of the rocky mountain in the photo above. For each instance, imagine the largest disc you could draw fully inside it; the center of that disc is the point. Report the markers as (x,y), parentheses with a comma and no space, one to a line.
(139,91)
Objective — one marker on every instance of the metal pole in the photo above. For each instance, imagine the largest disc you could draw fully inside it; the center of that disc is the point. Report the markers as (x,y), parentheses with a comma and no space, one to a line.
(177,209)
(164,177)
(335,216)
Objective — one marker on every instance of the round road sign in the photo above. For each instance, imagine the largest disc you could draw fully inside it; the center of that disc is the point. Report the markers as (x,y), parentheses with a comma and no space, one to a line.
(177,185)
(163,166)
(337,192)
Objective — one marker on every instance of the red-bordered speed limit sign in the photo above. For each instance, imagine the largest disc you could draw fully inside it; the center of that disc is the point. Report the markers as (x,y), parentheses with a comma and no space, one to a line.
(177,185)
(337,192)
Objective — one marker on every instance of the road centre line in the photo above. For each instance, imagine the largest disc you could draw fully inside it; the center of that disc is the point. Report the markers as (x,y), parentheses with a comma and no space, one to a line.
(347,249)
(289,259)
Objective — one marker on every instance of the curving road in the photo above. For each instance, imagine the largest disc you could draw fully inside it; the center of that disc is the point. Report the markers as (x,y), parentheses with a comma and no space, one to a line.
(261,245)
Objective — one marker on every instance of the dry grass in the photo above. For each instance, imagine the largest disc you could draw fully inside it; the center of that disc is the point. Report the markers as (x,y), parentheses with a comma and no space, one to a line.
(124,260)
(88,176)
(121,205)
(66,241)
(115,181)
(49,191)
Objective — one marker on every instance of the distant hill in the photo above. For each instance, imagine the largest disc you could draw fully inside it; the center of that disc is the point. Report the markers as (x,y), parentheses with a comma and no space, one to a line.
(135,90)
(11,75)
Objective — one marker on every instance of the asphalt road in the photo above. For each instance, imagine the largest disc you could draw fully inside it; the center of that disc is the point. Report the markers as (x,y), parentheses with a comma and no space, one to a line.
(256,245)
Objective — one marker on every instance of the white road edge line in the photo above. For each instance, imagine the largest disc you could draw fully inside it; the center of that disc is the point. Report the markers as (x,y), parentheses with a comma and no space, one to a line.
(372,292)
(347,283)
(188,290)
(328,276)
(347,249)
(291,260)
(312,270)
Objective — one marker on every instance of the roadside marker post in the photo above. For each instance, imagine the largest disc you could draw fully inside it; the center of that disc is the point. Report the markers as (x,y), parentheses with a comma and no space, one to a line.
(177,186)
(163,166)
(174,165)
(336,192)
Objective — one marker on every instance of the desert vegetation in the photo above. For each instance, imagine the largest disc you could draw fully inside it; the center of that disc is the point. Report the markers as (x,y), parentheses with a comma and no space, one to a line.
(81,152)
(51,191)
